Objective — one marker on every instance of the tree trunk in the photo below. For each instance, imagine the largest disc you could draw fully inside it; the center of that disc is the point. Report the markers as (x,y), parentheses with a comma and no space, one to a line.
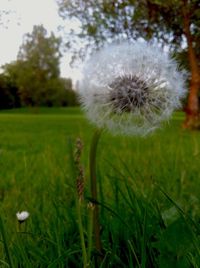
(192,120)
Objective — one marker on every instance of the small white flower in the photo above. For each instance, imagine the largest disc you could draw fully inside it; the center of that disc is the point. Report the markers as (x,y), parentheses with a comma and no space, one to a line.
(130,88)
(22,216)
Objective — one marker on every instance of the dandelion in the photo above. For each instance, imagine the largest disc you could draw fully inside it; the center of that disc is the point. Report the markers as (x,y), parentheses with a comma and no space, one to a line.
(130,88)
(22,216)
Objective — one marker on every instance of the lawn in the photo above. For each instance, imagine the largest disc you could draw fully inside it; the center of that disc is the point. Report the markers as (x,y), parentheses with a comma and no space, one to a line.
(149,189)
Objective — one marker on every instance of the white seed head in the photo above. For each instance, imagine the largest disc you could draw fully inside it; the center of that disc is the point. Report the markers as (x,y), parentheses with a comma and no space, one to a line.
(22,216)
(130,88)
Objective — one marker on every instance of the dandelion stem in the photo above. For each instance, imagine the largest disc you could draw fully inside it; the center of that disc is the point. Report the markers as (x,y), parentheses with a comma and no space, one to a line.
(93,185)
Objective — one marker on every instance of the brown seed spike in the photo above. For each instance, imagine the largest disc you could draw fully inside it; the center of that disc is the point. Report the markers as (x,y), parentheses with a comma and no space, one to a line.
(79,169)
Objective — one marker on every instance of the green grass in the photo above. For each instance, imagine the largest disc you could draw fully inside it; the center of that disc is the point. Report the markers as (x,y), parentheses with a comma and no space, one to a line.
(149,192)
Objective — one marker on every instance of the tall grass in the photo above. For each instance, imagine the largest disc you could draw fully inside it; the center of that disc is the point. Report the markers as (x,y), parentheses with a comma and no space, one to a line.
(148,188)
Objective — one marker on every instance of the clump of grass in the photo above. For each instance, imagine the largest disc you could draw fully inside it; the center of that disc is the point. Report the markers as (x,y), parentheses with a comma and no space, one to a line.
(148,195)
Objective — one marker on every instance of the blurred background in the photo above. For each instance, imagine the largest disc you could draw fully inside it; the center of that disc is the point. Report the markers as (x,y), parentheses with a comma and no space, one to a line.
(149,188)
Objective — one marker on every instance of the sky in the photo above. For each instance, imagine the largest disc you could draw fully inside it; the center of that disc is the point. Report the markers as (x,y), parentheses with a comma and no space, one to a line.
(23,15)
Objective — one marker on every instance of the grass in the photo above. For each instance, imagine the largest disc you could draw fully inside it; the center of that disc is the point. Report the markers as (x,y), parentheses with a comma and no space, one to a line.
(149,192)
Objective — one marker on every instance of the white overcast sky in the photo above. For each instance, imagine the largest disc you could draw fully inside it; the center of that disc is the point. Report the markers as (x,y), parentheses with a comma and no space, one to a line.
(24,14)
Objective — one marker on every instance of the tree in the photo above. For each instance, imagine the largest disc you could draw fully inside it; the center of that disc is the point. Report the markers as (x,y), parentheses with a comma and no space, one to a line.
(8,93)
(37,66)
(55,91)
(69,95)
(173,23)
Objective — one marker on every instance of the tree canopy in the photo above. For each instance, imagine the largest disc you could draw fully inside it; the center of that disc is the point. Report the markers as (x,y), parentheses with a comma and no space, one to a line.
(150,19)
(38,61)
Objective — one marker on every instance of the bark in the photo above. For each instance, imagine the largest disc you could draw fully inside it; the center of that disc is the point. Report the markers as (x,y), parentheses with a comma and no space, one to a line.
(192,120)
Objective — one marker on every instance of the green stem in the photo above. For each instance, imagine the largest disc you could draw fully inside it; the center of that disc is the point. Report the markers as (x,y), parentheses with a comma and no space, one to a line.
(93,185)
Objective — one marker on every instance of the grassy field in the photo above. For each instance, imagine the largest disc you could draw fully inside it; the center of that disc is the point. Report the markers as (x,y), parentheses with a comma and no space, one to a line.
(149,191)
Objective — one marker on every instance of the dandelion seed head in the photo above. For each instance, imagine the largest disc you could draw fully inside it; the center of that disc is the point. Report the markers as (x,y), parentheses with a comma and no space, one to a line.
(131,88)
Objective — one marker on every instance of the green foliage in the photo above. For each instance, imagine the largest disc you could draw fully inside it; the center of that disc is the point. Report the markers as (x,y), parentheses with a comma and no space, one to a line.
(68,95)
(41,52)
(39,61)
(36,72)
(174,244)
(142,225)
(9,97)
(152,20)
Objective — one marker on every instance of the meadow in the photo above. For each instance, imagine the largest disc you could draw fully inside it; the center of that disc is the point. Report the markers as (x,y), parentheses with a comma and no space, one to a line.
(149,189)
